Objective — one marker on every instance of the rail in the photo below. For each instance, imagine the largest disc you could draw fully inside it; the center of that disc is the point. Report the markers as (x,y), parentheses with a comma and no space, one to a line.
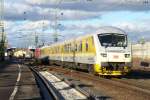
(88,95)
(48,92)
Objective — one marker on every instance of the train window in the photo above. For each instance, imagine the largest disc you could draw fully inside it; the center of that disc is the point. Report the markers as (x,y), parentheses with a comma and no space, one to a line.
(61,49)
(76,47)
(86,46)
(65,48)
(113,40)
(69,47)
(57,49)
(80,46)
(54,50)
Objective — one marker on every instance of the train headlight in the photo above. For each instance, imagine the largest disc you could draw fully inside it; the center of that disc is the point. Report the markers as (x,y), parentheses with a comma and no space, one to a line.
(127,55)
(103,54)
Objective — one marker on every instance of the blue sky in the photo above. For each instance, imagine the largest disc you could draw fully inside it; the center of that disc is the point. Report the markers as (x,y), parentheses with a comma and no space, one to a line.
(79,17)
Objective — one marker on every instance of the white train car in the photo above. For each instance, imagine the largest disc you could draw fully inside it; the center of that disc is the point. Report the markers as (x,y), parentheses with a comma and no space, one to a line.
(105,52)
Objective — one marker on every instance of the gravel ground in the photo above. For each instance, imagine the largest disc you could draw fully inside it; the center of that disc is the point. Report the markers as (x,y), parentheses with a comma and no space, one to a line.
(110,88)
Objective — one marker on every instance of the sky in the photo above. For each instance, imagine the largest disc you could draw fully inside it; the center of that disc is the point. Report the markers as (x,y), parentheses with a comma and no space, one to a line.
(25,19)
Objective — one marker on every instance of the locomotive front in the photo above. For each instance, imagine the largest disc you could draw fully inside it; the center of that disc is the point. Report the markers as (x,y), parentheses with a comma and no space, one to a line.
(113,53)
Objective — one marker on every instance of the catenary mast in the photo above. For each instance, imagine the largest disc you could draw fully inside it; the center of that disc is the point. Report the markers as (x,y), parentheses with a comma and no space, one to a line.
(2,35)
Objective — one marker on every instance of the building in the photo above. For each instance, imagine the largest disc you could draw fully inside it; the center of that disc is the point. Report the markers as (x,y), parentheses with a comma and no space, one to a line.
(141,50)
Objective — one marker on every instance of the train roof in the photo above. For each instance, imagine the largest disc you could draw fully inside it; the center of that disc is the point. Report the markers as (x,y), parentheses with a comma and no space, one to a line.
(109,29)
(44,47)
(101,30)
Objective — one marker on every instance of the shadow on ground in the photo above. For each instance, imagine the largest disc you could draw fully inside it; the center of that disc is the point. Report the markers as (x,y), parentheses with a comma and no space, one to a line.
(138,74)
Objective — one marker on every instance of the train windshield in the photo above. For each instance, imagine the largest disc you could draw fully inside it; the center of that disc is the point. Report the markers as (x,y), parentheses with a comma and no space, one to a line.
(113,40)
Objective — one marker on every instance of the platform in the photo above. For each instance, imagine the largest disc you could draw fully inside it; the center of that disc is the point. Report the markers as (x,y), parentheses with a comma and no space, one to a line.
(17,82)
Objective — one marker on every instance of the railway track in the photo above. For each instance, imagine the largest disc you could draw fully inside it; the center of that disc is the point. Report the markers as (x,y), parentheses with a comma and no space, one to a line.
(116,88)
(54,88)
(47,92)
(139,78)
(136,83)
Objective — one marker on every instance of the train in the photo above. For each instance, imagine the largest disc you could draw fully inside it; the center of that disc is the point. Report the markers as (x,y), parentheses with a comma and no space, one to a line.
(106,52)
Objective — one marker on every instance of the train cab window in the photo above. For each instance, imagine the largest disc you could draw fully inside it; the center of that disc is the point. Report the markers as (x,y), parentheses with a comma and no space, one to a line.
(113,40)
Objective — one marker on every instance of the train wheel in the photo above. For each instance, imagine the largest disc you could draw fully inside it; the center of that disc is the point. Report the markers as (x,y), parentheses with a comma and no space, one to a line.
(108,77)
(91,69)
(62,64)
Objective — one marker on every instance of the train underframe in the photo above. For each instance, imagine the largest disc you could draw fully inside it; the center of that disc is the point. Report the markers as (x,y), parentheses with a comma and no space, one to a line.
(114,68)
(105,69)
